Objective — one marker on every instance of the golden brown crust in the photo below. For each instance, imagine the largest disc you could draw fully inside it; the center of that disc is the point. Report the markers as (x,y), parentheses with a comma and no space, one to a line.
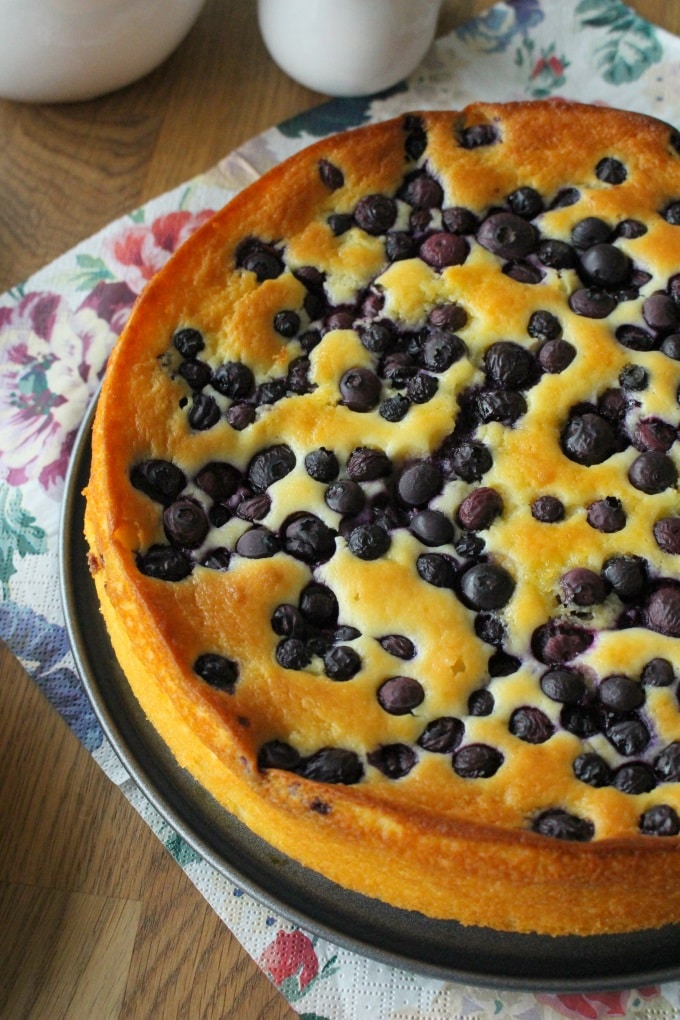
(431,840)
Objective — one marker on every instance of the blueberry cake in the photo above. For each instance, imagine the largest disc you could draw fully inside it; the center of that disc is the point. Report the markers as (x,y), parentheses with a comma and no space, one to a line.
(384,515)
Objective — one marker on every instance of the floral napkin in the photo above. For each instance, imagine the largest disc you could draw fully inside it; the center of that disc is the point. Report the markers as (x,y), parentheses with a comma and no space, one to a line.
(56,331)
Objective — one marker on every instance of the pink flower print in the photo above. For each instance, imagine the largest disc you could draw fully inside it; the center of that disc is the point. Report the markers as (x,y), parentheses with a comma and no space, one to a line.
(593,1005)
(291,954)
(51,360)
(139,250)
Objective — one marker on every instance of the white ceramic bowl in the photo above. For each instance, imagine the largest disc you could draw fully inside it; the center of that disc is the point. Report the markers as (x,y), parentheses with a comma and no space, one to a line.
(65,50)
(348,47)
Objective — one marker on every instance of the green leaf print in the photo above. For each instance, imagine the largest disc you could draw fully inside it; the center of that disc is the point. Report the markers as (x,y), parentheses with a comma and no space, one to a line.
(93,271)
(631,45)
(19,535)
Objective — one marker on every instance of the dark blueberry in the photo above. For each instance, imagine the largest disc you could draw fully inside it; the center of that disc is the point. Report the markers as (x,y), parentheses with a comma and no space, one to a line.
(269,466)
(196,373)
(204,412)
(606,515)
(459,220)
(217,559)
(565,197)
(592,303)
(564,685)
(421,388)
(297,376)
(218,479)
(480,508)
(165,563)
(633,377)
(559,824)
(393,760)
(657,673)
(620,694)
(332,765)
(254,508)
(490,629)
(672,213)
(292,653)
(660,312)
(368,464)
(377,336)
(419,483)
(660,820)
(662,611)
(631,229)
(369,541)
(611,170)
(441,350)
(259,258)
(432,527)
(628,736)
(508,364)
(240,416)
(287,621)
(634,778)
(556,254)
(588,439)
(276,754)
(635,338)
(160,480)
(558,642)
(443,735)
(322,465)
(487,586)
(345,633)
(271,391)
(345,497)
(416,138)
(360,389)
(589,232)
(257,544)
(219,514)
(667,764)
(531,725)
(423,192)
(547,509)
(340,223)
(394,408)
(318,605)
(469,545)
(189,342)
(627,576)
(667,534)
(507,235)
(185,523)
(654,434)
(544,326)
(590,768)
(477,761)
(399,695)
(234,379)
(341,662)
(477,135)
(331,175)
(481,702)
(307,538)
(287,323)
(503,664)
(525,202)
(505,406)
(582,721)
(398,368)
(398,645)
(582,587)
(375,213)
(310,339)
(443,249)
(523,271)
(652,472)
(400,245)
(217,671)
(436,569)
(671,346)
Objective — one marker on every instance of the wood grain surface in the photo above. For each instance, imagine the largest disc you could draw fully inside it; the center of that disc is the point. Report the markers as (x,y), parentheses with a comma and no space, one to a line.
(97,921)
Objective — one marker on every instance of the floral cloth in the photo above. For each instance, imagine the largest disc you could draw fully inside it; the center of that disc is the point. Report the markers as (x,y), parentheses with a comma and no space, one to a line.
(56,331)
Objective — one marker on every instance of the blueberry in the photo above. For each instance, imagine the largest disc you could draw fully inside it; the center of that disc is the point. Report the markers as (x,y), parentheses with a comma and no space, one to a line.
(254,508)
(530,724)
(556,254)
(441,350)
(188,341)
(627,575)
(620,694)
(606,515)
(416,138)
(368,464)
(436,569)
(394,408)
(287,323)
(605,265)
(257,544)
(590,768)
(660,312)
(588,439)
(276,754)
(478,135)
(400,245)
(318,604)
(480,508)
(611,170)
(635,777)
(543,325)
(331,175)
(660,820)
(654,434)
(442,735)
(652,472)
(525,202)
(165,563)
(375,213)
(582,721)
(560,824)
(270,465)
(196,373)
(332,765)
(629,736)
(507,235)
(287,621)
(217,671)
(547,509)
(592,303)
(582,587)
(419,483)
(423,192)
(421,387)
(443,249)
(204,412)
(564,685)
(378,336)
(672,213)
(345,497)
(557,642)
(369,541)
(307,538)
(360,389)
(487,586)
(667,534)
(291,653)
(505,406)
(393,760)
(667,764)
(240,416)
(481,702)
(217,559)
(399,695)
(185,523)
(662,610)
(477,761)
(432,527)
(341,662)
(259,258)
(398,645)
(671,346)
(340,223)
(297,377)
(508,364)
(658,672)
(160,480)
(635,338)
(554,356)
(590,231)
(471,460)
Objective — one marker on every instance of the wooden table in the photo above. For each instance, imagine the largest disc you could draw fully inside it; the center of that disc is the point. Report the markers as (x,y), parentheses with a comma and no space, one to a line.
(87,933)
